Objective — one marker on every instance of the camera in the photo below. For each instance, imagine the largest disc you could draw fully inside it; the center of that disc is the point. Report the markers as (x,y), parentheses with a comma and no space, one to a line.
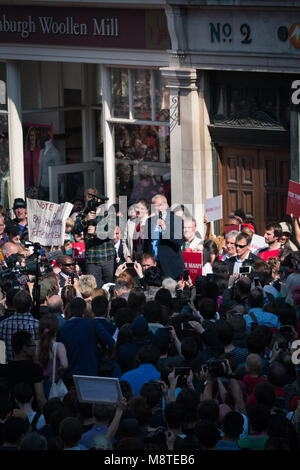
(245,270)
(216,367)
(95,202)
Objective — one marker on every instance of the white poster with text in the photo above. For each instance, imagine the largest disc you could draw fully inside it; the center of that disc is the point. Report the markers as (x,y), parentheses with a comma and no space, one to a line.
(213,208)
(46,221)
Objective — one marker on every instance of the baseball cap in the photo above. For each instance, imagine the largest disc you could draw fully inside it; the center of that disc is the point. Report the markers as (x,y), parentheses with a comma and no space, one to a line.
(286,227)
(19,202)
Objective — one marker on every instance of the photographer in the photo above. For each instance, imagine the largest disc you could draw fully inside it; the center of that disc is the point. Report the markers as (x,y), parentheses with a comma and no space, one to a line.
(99,244)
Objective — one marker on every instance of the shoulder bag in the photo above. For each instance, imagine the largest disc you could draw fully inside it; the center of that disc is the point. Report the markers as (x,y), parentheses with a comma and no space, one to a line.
(58,389)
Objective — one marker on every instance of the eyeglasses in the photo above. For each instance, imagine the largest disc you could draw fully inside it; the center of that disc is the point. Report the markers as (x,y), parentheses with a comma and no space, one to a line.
(240,246)
(69,264)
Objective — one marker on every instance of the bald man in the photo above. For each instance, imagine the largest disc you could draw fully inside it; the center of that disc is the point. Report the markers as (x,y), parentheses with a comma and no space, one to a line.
(8,249)
(56,306)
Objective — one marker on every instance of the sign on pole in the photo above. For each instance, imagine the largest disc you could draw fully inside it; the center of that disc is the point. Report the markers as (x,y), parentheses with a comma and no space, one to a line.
(293,199)
(213,208)
(46,221)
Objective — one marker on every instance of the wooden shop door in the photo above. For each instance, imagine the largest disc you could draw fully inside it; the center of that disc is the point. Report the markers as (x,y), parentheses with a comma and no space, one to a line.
(256,180)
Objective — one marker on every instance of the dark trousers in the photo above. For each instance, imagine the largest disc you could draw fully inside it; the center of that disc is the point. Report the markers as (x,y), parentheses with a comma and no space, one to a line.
(103,272)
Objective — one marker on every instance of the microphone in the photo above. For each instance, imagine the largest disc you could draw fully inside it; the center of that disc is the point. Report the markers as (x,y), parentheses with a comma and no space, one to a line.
(160,215)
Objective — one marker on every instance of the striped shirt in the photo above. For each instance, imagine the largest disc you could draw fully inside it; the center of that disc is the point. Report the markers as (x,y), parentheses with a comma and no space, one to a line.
(17,322)
(99,247)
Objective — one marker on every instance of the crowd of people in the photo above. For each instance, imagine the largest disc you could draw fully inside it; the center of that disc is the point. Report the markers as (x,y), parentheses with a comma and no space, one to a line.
(209,364)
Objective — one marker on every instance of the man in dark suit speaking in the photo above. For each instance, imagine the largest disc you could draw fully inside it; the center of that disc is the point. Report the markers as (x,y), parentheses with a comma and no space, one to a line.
(163,236)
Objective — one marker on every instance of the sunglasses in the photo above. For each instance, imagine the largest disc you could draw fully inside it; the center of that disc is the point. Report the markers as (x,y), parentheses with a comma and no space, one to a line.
(69,264)
(240,246)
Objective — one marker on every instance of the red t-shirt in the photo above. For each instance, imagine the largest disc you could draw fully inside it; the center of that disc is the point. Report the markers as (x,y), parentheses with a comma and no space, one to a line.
(251,382)
(265,255)
(279,392)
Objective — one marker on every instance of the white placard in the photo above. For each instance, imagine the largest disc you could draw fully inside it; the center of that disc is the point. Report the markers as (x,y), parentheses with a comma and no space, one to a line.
(97,389)
(213,208)
(46,221)
(257,243)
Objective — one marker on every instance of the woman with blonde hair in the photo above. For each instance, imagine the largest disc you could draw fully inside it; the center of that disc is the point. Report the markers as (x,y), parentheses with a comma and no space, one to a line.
(86,286)
(48,328)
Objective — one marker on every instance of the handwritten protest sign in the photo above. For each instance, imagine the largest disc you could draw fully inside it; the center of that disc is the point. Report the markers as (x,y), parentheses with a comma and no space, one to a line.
(213,208)
(257,243)
(293,199)
(193,262)
(46,221)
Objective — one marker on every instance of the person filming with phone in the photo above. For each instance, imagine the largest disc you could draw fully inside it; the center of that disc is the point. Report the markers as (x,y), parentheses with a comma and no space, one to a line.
(243,254)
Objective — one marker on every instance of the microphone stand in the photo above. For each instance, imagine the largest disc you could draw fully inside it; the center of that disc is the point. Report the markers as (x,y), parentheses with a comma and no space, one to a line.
(36,286)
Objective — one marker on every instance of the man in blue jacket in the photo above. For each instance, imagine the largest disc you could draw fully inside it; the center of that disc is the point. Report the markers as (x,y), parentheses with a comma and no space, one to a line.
(80,337)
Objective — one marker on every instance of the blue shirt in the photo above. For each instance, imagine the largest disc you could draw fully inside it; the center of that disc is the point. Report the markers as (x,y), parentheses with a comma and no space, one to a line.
(87,437)
(263,318)
(80,340)
(156,234)
(137,377)
(227,445)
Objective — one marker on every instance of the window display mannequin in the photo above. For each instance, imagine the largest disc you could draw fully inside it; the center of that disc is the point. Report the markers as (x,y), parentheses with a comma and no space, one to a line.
(49,156)
(31,161)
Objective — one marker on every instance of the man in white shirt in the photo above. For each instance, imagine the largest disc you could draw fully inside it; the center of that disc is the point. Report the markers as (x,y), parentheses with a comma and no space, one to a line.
(243,253)
(191,241)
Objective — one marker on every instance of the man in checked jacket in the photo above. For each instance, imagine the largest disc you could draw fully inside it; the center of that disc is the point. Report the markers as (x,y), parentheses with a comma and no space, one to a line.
(98,226)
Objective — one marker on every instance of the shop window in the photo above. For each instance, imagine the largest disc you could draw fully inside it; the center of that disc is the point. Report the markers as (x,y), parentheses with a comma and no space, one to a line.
(162,97)
(141,92)
(142,152)
(4,148)
(142,161)
(52,123)
(244,100)
(119,93)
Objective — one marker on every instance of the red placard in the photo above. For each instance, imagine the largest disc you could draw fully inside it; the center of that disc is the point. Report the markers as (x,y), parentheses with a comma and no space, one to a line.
(78,252)
(193,262)
(293,199)
(231,227)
